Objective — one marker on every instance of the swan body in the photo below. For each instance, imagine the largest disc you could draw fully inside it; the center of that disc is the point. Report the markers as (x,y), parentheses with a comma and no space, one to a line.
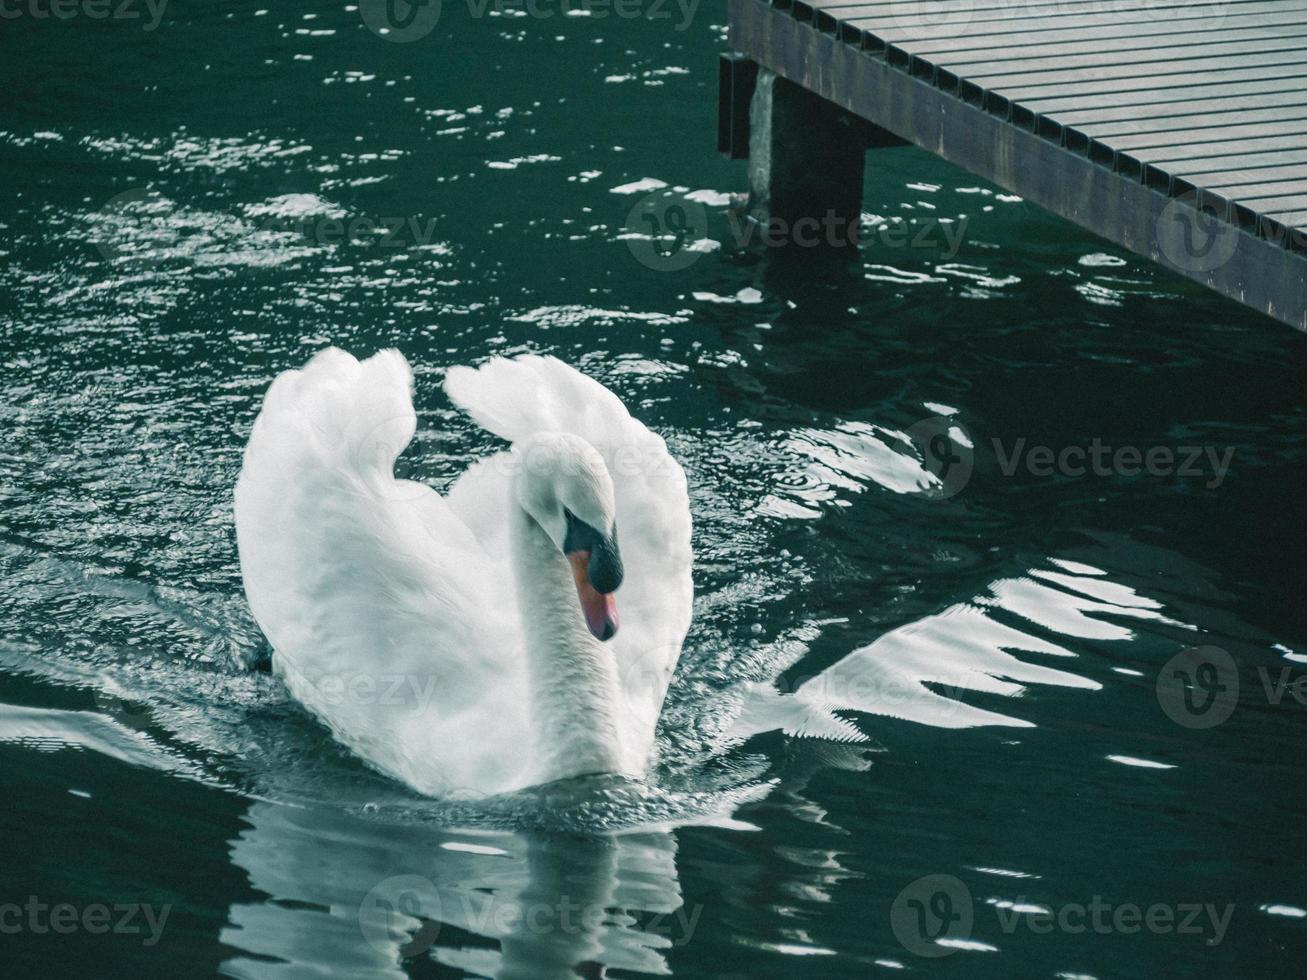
(468,644)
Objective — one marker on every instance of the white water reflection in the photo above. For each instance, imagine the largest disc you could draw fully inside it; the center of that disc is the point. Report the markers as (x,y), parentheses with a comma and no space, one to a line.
(919,671)
(368,894)
(356,896)
(53,729)
(338,890)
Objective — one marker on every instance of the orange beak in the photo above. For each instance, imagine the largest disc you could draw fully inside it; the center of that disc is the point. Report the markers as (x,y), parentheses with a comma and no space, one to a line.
(600,608)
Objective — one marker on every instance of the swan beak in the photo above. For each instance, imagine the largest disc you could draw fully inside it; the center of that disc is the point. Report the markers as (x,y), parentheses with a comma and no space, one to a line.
(600,608)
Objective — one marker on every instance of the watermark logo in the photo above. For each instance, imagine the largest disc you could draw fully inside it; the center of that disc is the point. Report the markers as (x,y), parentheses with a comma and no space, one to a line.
(1194,236)
(932,914)
(664,232)
(400,21)
(946,453)
(403,911)
(1199,687)
(128,713)
(930,19)
(122,218)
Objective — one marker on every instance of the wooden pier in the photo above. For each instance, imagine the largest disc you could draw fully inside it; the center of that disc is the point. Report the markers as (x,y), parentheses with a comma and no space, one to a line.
(1174,128)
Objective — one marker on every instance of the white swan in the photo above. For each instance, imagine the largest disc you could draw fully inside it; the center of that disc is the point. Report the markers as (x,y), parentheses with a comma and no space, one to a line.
(464,644)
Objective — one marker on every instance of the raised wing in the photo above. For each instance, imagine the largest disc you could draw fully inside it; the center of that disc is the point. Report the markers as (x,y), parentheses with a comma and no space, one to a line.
(525,395)
(374,594)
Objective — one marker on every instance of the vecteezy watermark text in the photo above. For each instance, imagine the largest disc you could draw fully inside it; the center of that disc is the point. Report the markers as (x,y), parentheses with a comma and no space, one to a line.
(931,20)
(935,915)
(1100,459)
(833,231)
(96,918)
(1102,918)
(89,9)
(402,691)
(143,226)
(404,911)
(667,232)
(411,20)
(949,457)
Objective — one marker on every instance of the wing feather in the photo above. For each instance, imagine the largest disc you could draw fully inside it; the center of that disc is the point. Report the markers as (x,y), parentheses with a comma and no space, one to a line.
(371,589)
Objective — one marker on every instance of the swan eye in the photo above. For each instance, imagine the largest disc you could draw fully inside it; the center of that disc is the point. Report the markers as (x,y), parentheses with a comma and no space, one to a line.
(604,568)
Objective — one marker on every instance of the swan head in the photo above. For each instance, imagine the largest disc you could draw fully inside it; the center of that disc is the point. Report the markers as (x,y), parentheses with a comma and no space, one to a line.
(564,486)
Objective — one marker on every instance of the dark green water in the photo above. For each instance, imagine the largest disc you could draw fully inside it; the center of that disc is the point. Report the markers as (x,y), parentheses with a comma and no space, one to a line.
(140,766)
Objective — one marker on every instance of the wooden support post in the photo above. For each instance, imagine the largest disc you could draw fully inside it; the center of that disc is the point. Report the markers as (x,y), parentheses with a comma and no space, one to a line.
(1230,213)
(736,78)
(805,167)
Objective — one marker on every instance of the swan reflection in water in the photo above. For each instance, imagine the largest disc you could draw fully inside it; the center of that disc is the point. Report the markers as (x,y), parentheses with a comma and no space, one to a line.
(338,889)
(369,894)
(358,896)
(364,892)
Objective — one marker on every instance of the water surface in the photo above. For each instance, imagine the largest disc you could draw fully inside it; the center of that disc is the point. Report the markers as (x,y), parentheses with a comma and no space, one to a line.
(997,635)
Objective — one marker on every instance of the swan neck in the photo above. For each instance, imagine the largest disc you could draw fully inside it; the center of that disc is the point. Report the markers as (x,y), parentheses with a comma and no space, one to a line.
(572,677)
